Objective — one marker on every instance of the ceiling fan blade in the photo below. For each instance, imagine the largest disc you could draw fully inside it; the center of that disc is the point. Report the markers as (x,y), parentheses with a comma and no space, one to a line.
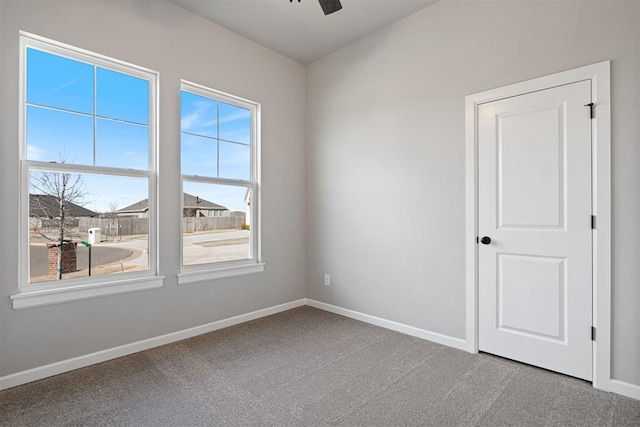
(330,6)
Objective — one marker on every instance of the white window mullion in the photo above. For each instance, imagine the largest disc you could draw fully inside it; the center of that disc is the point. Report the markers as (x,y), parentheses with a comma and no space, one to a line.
(212,180)
(95,114)
(73,168)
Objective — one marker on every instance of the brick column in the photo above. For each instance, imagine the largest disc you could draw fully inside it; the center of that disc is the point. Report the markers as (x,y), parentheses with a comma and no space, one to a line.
(69,260)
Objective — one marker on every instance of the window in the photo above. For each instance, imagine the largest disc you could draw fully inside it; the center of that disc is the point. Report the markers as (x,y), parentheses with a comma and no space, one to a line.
(220,184)
(88,186)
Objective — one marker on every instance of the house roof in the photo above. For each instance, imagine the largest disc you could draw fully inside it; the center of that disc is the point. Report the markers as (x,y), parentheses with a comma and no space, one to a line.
(189,202)
(46,206)
(140,206)
(199,203)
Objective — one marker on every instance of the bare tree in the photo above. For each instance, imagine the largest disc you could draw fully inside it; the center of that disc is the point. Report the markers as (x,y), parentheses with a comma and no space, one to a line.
(113,208)
(65,190)
(114,224)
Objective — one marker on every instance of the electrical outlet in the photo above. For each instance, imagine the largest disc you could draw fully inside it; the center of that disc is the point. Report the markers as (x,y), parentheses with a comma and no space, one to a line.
(327,280)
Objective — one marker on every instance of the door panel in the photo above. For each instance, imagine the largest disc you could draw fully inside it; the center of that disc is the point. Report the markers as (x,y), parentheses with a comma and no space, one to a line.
(534,201)
(531,295)
(530,142)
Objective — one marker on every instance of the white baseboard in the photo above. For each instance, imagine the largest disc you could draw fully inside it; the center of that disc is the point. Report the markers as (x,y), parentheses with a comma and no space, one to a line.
(39,373)
(19,378)
(615,386)
(394,326)
(625,389)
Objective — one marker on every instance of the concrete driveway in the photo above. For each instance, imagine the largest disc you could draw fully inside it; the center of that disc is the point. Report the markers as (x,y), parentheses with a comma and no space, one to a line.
(199,248)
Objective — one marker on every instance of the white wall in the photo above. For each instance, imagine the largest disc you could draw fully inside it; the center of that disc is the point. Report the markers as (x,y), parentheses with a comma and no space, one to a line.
(385,153)
(178,44)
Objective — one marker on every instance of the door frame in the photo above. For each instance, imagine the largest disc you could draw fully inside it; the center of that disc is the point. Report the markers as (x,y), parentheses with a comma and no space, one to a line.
(599,75)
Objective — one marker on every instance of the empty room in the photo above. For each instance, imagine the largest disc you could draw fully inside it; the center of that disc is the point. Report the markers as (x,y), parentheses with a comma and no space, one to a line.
(320,212)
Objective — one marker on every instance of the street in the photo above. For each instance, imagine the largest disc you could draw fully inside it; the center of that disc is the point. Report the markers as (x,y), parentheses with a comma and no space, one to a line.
(131,254)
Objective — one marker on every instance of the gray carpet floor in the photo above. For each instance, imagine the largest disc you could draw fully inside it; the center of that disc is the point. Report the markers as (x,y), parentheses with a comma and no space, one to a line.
(310,367)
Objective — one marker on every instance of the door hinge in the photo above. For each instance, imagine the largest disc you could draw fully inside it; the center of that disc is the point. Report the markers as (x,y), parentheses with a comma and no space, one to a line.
(593,222)
(592,109)
(593,333)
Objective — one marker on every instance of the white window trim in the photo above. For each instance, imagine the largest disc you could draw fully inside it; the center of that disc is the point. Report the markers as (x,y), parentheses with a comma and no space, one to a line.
(42,297)
(195,276)
(202,272)
(54,292)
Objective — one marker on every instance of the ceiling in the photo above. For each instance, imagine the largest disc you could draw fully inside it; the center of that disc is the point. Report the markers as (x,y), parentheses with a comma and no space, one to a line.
(301,31)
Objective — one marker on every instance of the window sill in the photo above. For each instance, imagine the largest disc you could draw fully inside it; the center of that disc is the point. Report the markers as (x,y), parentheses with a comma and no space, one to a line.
(39,298)
(194,276)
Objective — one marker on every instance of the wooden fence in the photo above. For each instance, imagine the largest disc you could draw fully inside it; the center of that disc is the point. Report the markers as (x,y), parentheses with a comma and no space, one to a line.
(115,227)
(193,224)
(111,228)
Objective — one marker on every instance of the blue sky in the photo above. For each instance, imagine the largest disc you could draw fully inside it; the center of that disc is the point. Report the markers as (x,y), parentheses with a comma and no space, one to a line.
(215,138)
(64,95)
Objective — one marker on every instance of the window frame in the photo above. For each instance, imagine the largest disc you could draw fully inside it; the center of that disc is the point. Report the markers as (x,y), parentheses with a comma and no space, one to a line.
(253,264)
(51,292)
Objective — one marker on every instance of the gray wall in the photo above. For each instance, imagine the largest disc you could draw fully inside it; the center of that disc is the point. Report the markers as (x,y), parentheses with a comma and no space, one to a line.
(178,44)
(385,134)
(3,177)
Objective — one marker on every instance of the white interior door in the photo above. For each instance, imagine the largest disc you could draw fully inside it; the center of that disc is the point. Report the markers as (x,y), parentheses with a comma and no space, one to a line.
(534,203)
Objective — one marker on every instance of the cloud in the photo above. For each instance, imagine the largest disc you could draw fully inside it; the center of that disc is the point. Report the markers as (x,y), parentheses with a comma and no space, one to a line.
(233,117)
(64,85)
(35,153)
(195,119)
(201,118)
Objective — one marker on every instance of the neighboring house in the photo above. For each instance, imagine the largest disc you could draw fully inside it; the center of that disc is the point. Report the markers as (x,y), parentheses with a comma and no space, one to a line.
(192,206)
(46,206)
(247,202)
(137,210)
